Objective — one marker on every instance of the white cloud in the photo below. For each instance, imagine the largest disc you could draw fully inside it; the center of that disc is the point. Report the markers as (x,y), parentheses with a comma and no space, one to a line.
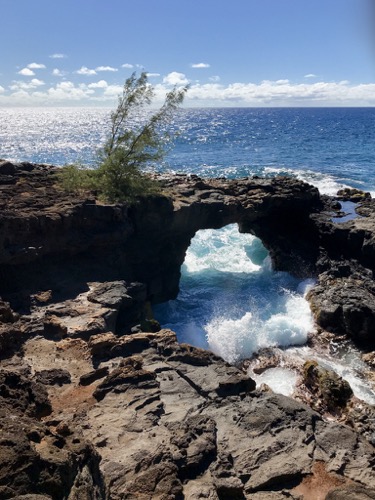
(266,93)
(105,68)
(19,96)
(175,78)
(153,75)
(200,65)
(283,93)
(32,84)
(214,78)
(26,72)
(101,84)
(68,91)
(86,71)
(58,56)
(36,66)
(112,91)
(58,72)
(310,75)
(127,65)
(37,83)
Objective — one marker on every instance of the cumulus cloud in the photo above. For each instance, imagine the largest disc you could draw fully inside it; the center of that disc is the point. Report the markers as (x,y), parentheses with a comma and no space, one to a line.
(175,78)
(283,93)
(153,75)
(58,72)
(200,65)
(127,66)
(26,72)
(68,91)
(32,84)
(86,71)
(36,66)
(105,68)
(58,56)
(280,92)
(112,91)
(36,83)
(214,78)
(310,75)
(101,84)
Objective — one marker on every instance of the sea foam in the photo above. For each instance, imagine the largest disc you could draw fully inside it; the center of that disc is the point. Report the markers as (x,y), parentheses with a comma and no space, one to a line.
(238,339)
(231,301)
(327,184)
(224,251)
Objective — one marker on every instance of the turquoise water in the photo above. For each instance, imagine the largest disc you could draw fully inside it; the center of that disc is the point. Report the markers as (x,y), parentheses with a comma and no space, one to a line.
(230,300)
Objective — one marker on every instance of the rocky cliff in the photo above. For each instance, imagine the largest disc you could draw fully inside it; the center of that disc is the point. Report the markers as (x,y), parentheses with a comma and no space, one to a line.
(94,408)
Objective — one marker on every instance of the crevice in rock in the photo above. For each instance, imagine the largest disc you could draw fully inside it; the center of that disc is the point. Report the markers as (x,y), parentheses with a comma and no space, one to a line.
(281,482)
(192,384)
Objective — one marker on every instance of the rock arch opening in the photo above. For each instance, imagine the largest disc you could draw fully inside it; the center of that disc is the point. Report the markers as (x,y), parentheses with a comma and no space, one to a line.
(230,299)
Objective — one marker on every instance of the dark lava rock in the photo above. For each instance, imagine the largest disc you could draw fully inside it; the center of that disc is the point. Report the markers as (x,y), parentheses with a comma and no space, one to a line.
(91,377)
(334,391)
(20,394)
(345,305)
(352,194)
(54,376)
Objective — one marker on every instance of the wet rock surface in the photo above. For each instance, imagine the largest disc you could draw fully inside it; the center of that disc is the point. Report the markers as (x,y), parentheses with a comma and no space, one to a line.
(92,407)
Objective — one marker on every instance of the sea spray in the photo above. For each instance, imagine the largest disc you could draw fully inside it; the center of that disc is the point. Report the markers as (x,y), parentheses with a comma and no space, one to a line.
(346,362)
(327,184)
(231,301)
(279,379)
(238,339)
(223,250)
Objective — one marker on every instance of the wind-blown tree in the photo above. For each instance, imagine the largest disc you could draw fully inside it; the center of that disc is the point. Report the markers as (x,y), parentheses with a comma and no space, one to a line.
(131,145)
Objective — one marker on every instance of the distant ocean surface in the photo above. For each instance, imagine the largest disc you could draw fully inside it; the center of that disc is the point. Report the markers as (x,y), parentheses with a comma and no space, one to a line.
(230,301)
(328,147)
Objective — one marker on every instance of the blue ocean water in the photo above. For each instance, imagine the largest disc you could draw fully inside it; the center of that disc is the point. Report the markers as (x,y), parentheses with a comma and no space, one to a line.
(230,301)
(328,147)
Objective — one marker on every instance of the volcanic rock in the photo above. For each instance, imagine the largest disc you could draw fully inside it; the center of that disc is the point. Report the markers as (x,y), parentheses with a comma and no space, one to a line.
(91,410)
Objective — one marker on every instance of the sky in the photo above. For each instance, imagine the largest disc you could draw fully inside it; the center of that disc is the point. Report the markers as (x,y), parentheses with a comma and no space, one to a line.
(230,52)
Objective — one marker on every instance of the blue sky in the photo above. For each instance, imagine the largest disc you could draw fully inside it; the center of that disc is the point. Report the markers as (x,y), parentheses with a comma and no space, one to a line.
(232,53)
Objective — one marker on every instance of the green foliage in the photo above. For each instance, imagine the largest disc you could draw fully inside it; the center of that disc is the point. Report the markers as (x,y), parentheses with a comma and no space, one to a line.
(77,179)
(131,145)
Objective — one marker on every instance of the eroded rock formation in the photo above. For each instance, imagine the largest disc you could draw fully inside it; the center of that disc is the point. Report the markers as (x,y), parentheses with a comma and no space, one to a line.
(93,411)
(46,235)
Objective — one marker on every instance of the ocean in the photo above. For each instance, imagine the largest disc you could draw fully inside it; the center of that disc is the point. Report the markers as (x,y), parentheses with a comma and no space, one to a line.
(328,147)
(231,301)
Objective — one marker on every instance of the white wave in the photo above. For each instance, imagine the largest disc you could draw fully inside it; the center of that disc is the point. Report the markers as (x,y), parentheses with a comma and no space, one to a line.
(235,339)
(359,385)
(347,363)
(221,250)
(280,380)
(326,184)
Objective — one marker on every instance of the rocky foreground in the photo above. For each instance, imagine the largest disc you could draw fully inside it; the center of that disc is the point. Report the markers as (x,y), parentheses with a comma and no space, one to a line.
(98,404)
